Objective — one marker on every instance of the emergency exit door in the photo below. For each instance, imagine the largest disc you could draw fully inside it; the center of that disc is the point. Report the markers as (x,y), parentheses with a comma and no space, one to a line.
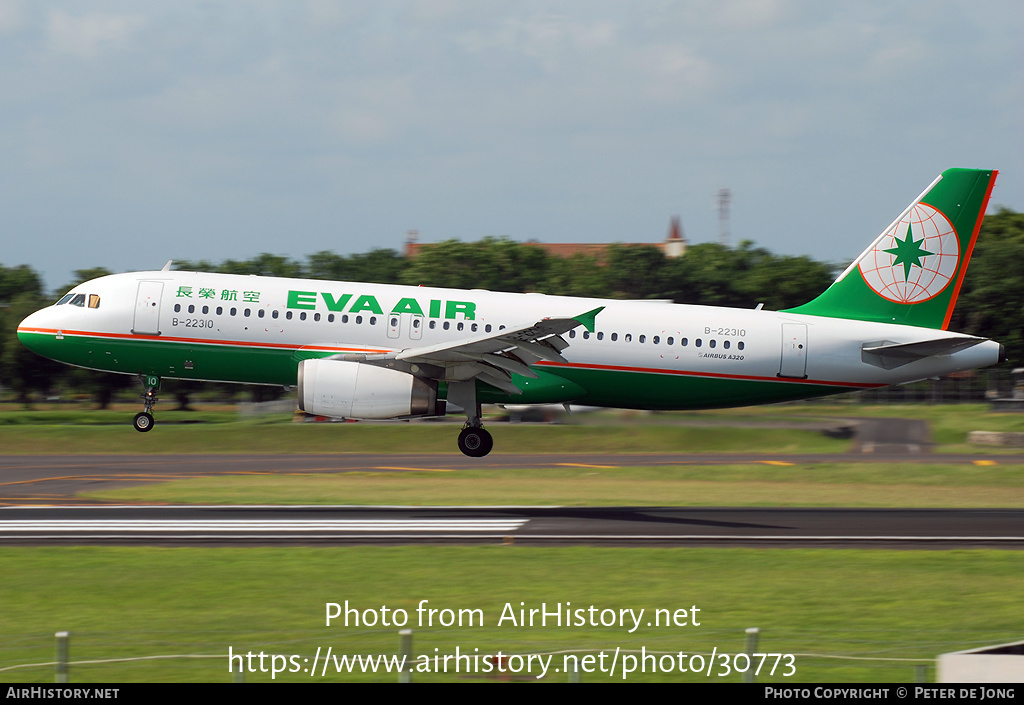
(794,351)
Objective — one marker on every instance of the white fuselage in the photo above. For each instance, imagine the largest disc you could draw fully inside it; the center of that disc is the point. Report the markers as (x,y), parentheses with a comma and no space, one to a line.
(641,354)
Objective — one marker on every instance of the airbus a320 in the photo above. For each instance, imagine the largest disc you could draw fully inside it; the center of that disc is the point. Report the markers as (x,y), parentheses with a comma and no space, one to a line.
(376,351)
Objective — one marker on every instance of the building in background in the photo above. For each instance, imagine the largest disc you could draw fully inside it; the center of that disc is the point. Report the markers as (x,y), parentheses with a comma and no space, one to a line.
(674,245)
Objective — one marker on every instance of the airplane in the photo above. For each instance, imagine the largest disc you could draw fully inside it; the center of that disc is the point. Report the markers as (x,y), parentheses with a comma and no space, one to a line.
(379,351)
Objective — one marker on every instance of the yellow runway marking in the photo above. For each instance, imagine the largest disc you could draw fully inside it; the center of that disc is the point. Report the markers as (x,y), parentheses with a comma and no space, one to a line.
(585,465)
(385,467)
(984,462)
(775,462)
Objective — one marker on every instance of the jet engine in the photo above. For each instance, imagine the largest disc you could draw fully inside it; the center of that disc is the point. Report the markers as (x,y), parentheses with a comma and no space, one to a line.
(357,390)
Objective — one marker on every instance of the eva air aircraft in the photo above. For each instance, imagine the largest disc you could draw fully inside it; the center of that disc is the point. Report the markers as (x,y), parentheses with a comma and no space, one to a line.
(375,351)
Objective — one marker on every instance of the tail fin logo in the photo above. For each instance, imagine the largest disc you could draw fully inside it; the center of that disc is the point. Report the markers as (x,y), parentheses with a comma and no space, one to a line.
(915,260)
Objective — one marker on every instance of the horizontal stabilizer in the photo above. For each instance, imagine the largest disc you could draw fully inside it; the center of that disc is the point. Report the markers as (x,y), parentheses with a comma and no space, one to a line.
(889,355)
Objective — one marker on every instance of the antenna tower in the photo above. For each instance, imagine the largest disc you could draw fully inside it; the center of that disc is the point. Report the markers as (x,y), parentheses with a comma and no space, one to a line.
(724,198)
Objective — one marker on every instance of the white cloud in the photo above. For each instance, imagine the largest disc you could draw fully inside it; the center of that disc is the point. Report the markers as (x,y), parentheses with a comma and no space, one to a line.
(87,35)
(12,16)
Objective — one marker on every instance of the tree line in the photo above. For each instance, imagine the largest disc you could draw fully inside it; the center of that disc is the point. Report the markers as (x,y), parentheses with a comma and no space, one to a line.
(990,302)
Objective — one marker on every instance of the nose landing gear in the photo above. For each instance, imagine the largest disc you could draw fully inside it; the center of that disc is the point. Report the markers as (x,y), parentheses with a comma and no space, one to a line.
(144,421)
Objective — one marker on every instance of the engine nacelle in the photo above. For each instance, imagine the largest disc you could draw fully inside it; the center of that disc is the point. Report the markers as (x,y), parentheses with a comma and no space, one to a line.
(359,391)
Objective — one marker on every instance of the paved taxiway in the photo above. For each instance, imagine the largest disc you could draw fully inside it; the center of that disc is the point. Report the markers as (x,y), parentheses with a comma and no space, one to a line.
(43,479)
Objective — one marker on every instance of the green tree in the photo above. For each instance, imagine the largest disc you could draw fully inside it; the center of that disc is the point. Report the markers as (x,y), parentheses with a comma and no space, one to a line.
(264,265)
(21,369)
(578,275)
(18,280)
(378,266)
(991,301)
(706,275)
(491,263)
(21,293)
(635,272)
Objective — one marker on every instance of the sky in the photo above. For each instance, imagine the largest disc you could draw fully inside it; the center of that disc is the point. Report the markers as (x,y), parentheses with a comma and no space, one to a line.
(132,133)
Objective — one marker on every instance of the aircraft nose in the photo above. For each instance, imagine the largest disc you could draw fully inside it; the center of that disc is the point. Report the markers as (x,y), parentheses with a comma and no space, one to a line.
(35,329)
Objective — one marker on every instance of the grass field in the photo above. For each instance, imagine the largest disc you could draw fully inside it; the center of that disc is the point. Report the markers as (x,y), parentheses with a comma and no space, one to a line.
(894,609)
(218,429)
(757,485)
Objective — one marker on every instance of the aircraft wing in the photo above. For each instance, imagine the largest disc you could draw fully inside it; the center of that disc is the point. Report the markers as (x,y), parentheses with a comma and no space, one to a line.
(492,357)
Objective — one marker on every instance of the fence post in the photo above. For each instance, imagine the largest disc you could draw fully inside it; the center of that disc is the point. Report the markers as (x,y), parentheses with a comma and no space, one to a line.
(405,636)
(752,633)
(62,657)
(574,675)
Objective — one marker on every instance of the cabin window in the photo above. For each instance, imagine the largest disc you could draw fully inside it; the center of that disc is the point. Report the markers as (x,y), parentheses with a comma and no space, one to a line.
(487,328)
(684,342)
(177,307)
(586,335)
(600,335)
(433,325)
(330,317)
(669,340)
(220,310)
(373,320)
(725,345)
(274,313)
(359,319)
(246,313)
(206,310)
(302,316)
(739,345)
(233,311)
(447,325)
(711,343)
(698,342)
(288,315)
(656,340)
(643,338)
(394,321)
(572,333)
(628,337)
(615,336)
(416,323)
(501,327)
(474,327)
(191,308)
(94,301)
(344,318)
(316,316)
(460,325)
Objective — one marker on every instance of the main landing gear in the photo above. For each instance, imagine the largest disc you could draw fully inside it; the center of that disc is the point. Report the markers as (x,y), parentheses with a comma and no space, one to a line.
(144,421)
(474,441)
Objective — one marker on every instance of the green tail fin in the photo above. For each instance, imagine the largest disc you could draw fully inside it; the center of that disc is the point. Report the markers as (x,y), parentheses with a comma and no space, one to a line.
(912,273)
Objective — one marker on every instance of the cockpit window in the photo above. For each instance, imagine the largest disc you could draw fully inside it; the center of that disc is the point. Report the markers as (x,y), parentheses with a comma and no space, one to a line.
(79,300)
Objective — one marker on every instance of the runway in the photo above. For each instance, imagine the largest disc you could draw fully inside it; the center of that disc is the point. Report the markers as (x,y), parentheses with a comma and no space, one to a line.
(660,526)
